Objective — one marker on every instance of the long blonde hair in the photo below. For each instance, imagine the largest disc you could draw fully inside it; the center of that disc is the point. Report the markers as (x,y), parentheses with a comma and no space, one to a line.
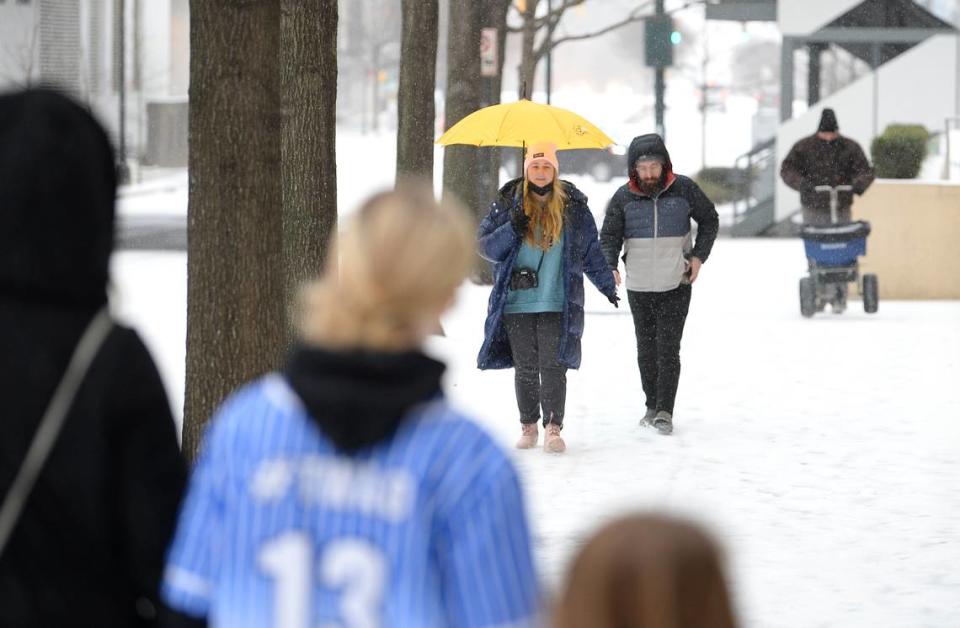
(401,258)
(549,218)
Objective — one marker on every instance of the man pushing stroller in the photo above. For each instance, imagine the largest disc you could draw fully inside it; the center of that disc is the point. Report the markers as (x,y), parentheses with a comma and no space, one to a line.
(826,158)
(827,169)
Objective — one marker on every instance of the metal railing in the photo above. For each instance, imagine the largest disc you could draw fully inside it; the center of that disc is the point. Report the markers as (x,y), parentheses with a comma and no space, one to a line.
(757,170)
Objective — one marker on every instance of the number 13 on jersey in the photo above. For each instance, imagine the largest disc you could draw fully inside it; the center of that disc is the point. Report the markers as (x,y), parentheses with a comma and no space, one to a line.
(353,567)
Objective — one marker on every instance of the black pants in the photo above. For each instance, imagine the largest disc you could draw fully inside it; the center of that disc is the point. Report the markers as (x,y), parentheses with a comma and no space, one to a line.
(658,319)
(539,375)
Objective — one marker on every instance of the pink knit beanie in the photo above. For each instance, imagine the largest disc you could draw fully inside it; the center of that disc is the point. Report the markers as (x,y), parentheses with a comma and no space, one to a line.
(541,151)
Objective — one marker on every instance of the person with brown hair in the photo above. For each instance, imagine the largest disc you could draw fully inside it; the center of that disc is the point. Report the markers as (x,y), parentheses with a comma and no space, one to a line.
(646,571)
(542,239)
(345,490)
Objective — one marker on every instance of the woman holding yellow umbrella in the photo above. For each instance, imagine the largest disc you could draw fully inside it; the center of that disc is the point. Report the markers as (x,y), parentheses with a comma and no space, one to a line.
(542,238)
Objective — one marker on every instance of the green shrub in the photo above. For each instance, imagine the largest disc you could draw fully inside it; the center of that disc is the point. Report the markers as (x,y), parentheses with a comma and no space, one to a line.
(899,151)
(723,185)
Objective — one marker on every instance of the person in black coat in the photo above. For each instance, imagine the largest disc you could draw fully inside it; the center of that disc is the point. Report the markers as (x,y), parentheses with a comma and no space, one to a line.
(826,158)
(88,548)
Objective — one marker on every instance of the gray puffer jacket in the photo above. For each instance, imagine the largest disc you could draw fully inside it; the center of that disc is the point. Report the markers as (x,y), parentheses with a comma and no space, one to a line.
(654,232)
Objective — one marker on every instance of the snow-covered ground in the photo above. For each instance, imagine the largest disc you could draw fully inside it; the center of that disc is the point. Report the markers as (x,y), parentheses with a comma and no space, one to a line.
(823,453)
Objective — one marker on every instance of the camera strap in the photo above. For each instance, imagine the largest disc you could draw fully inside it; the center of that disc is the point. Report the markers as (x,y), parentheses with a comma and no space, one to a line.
(49,428)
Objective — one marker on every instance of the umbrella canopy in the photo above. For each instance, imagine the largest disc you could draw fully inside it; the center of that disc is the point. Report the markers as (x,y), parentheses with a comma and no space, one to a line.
(523,123)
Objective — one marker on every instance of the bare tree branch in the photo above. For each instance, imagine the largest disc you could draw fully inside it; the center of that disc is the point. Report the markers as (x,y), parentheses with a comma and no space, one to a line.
(545,44)
(554,15)
(549,43)
(635,16)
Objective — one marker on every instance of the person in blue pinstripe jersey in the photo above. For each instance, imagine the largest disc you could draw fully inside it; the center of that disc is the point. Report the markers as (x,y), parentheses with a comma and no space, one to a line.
(345,491)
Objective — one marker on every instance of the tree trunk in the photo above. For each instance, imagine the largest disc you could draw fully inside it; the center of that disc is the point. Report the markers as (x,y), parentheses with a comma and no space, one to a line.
(375,86)
(308,167)
(495,16)
(496,12)
(235,294)
(415,105)
(528,65)
(462,164)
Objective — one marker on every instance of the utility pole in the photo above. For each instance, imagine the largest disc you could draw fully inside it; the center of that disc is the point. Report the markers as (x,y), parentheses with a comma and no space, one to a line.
(549,57)
(814,73)
(659,84)
(122,170)
(138,79)
(704,97)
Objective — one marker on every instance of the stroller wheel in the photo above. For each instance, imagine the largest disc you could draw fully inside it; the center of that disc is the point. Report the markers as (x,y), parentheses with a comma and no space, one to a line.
(871,298)
(808,297)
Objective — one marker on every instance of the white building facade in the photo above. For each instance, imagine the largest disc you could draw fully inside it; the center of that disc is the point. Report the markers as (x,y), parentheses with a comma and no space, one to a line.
(919,86)
(78,45)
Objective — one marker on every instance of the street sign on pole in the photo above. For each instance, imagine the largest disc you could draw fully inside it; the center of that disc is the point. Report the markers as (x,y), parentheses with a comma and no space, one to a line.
(488,52)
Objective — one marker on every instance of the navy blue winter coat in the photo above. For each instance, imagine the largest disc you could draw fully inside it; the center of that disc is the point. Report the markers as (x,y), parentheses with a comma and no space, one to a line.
(499,244)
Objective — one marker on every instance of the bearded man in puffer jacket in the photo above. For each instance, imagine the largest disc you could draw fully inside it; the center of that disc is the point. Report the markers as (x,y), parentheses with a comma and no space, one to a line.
(648,220)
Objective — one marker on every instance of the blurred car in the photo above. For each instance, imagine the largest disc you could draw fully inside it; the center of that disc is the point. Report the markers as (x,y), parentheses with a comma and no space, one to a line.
(601,164)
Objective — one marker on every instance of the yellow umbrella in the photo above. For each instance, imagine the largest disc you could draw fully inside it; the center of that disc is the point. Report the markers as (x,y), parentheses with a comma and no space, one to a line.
(523,123)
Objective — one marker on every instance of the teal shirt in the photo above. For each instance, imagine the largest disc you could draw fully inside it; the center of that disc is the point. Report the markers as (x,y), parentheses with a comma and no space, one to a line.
(549,295)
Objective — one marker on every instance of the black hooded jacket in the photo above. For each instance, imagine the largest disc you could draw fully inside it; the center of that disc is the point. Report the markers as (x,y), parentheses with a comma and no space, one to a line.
(89,546)
(360,398)
(653,231)
(813,161)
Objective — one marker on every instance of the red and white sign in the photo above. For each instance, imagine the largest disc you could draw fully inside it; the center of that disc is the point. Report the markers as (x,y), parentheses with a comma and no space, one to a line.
(488,52)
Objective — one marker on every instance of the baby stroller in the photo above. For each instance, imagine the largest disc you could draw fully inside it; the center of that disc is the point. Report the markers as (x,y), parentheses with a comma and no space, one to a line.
(832,252)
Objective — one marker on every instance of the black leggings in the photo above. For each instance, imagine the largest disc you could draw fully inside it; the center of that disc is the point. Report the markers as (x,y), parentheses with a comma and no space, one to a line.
(658,319)
(539,375)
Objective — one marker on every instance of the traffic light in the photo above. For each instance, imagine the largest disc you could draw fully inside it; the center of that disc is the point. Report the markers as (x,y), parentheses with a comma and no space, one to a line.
(659,39)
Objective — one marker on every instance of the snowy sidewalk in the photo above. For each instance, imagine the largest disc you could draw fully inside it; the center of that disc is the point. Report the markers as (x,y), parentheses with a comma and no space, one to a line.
(823,453)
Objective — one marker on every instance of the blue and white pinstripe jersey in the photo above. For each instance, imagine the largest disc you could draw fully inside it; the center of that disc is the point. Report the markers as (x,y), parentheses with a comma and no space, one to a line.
(278,529)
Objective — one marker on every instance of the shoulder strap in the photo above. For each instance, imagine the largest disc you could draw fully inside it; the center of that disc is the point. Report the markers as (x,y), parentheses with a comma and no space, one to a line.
(49,428)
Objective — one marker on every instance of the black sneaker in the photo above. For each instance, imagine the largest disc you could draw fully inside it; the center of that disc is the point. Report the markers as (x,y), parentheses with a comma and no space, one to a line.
(663,422)
(647,420)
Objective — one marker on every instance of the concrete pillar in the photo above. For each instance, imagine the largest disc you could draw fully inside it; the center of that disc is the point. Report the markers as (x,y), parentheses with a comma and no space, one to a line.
(814,73)
(786,78)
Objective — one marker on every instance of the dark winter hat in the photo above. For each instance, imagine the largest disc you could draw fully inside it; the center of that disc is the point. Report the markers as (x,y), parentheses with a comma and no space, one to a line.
(647,147)
(650,157)
(828,122)
(57,190)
